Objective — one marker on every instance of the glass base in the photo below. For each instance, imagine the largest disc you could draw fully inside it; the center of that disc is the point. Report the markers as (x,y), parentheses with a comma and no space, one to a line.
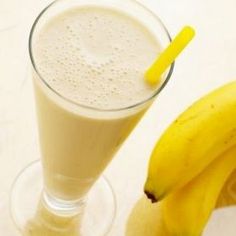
(32,217)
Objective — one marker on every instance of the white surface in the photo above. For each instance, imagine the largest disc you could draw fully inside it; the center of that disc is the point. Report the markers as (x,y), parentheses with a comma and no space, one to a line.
(207,63)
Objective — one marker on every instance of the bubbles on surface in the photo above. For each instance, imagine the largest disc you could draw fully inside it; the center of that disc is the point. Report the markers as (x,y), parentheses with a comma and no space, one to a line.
(95,57)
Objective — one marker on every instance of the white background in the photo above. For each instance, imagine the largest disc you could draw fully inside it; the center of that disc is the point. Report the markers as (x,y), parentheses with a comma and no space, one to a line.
(209,62)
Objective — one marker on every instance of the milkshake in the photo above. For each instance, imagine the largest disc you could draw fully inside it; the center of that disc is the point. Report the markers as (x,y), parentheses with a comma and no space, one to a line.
(93,59)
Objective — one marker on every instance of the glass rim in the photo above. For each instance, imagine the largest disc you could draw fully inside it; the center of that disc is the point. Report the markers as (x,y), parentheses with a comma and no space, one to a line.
(137,104)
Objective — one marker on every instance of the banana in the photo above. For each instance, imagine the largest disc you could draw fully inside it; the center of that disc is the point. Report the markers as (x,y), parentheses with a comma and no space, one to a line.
(187,210)
(146,219)
(203,132)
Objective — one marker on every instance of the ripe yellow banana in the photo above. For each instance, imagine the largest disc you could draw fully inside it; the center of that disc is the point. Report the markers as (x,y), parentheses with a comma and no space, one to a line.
(202,133)
(187,210)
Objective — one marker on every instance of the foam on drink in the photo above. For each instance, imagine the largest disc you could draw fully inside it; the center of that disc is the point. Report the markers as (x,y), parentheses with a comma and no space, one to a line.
(96,57)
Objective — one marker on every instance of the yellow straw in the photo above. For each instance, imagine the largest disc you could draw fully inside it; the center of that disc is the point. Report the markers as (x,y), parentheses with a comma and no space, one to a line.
(167,57)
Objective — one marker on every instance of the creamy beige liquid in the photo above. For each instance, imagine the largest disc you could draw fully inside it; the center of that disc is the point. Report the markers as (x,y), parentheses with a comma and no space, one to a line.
(94,57)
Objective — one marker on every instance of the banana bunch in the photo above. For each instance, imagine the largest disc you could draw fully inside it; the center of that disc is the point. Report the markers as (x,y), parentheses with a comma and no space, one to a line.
(192,161)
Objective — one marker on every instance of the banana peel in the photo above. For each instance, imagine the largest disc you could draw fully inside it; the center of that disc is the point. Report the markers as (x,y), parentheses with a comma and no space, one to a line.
(227,196)
(196,138)
(187,210)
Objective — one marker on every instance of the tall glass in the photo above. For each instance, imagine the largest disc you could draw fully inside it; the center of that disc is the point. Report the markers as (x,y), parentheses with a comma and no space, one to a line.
(78,141)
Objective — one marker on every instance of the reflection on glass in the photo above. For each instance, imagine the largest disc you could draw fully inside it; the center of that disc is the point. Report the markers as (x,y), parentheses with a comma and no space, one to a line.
(46,223)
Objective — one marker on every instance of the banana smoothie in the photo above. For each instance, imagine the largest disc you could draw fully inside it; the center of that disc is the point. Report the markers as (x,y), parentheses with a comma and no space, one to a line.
(94,59)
